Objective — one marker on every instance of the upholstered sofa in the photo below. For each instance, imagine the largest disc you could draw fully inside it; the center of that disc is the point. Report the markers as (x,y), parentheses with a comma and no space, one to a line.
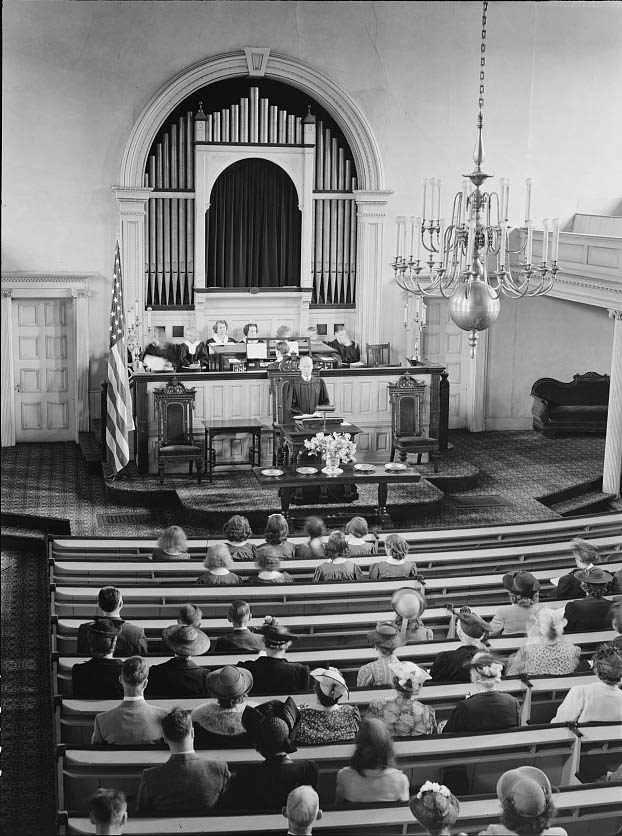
(576,407)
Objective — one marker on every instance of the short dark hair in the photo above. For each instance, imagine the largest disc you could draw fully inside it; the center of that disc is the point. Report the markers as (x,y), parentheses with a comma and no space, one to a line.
(107,806)
(238,611)
(217,323)
(276,529)
(237,529)
(373,747)
(135,670)
(282,347)
(526,825)
(177,724)
(108,598)
(248,326)
(190,614)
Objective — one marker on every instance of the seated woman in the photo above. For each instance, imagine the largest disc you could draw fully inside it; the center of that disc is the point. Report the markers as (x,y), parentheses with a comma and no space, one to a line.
(415,631)
(526,799)
(472,632)
(357,535)
(326,720)
(172,545)
(436,808)
(272,672)
(268,562)
(404,715)
(546,653)
(281,351)
(372,776)
(221,337)
(345,347)
(314,547)
(276,535)
(192,350)
(337,568)
(251,333)
(586,556)
(218,564)
(615,614)
(512,618)
(160,355)
(237,530)
(596,701)
(591,612)
(385,638)
(219,724)
(489,709)
(395,564)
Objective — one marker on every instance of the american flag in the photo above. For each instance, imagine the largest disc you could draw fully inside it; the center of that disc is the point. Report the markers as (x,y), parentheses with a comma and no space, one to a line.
(119,421)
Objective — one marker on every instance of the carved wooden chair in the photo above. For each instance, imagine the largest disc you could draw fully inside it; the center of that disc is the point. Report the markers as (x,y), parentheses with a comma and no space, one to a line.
(174,405)
(407,398)
(378,354)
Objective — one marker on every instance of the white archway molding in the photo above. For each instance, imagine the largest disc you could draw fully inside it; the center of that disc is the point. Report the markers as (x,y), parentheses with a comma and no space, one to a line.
(337,102)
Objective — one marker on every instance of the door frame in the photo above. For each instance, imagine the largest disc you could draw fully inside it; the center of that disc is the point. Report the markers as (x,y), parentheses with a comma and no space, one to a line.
(45,286)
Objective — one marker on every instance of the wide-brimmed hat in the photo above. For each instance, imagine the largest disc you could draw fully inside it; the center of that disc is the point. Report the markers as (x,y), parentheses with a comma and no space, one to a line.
(185,640)
(271,725)
(408,603)
(103,627)
(594,575)
(408,674)
(435,806)
(273,631)
(521,583)
(385,635)
(229,682)
(527,787)
(471,623)
(331,682)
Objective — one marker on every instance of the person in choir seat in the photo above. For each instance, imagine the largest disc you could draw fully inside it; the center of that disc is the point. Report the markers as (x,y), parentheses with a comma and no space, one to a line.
(220,328)
(160,355)
(251,333)
(193,351)
(306,393)
(348,350)
(282,353)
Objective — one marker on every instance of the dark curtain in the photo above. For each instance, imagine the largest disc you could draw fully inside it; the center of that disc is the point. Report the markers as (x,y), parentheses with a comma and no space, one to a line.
(253,228)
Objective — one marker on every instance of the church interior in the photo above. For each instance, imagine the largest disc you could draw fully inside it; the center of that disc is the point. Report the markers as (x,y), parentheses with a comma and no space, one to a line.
(324,300)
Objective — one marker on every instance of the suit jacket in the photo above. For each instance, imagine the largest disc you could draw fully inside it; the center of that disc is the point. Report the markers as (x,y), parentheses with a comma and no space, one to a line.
(130,642)
(484,712)
(569,587)
(132,723)
(178,677)
(97,679)
(277,676)
(448,665)
(185,784)
(265,786)
(242,640)
(588,614)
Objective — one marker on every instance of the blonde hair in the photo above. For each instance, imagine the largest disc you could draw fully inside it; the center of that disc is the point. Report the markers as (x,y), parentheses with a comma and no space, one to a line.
(547,623)
(218,557)
(173,538)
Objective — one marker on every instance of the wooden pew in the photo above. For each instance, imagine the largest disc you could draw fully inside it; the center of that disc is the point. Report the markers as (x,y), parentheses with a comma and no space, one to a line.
(601,751)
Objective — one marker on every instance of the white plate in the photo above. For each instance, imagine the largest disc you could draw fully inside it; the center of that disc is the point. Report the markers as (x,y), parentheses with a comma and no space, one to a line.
(271,471)
(394,466)
(306,471)
(365,468)
(336,472)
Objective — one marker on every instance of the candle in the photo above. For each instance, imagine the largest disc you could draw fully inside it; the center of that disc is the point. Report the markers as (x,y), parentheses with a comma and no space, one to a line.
(545,240)
(555,245)
(397,241)
(437,214)
(501,198)
(470,244)
(507,199)
(529,248)
(405,315)
(441,235)
(463,202)
(418,233)
(413,222)
(503,245)
(423,314)
(403,237)
(149,318)
(425,199)
(528,185)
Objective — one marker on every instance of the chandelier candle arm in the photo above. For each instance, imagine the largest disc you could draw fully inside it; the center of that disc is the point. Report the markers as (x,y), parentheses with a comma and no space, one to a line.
(528,186)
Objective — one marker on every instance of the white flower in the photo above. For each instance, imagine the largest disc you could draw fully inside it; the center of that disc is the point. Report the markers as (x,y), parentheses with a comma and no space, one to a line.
(432,786)
(337,445)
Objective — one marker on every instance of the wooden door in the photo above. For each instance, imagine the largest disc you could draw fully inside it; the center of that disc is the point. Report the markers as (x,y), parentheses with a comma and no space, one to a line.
(44,369)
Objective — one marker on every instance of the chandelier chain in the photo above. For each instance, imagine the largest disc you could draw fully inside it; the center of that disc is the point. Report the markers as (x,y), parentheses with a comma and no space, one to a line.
(482,60)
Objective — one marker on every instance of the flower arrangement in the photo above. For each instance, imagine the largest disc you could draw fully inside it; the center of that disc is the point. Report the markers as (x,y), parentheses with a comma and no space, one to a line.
(333,445)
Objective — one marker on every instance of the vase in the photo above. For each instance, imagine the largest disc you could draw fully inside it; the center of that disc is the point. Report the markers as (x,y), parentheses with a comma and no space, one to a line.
(332,466)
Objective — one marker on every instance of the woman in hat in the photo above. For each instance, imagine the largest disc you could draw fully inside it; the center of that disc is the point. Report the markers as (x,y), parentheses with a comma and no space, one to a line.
(315,530)
(327,719)
(98,678)
(591,612)
(172,545)
(395,565)
(404,715)
(436,808)
(237,530)
(268,561)
(600,701)
(524,591)
(409,604)
(585,555)
(489,709)
(271,727)
(219,724)
(546,653)
(385,637)
(337,568)
(180,676)
(472,632)
(357,536)
(372,776)
(273,673)
(218,564)
(527,805)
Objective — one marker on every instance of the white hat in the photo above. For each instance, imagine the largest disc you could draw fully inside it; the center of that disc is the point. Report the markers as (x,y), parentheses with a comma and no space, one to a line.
(408,672)
(331,682)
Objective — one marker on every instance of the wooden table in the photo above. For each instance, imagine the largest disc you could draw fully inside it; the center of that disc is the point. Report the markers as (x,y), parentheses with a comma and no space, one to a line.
(231,426)
(291,481)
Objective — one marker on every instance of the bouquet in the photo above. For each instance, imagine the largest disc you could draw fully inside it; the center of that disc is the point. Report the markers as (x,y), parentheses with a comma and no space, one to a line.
(332,446)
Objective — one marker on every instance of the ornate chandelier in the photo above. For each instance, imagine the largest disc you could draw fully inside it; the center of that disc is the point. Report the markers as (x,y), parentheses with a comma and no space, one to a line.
(477,257)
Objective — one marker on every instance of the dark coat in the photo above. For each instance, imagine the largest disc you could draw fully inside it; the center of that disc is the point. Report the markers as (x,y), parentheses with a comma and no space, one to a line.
(97,679)
(302,397)
(265,786)
(588,614)
(201,355)
(131,640)
(448,665)
(488,711)
(348,353)
(277,676)
(569,587)
(178,677)
(239,640)
(185,784)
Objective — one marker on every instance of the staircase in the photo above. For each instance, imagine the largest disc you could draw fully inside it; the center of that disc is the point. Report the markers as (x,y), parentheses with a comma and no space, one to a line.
(581,499)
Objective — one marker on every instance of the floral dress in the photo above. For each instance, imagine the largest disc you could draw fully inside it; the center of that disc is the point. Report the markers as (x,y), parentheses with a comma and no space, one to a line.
(559,659)
(317,726)
(403,716)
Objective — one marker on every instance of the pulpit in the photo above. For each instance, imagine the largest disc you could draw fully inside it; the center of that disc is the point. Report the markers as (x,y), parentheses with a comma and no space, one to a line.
(174,405)
(407,398)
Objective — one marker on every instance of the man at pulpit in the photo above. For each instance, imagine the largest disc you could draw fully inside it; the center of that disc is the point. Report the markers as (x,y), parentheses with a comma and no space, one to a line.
(306,393)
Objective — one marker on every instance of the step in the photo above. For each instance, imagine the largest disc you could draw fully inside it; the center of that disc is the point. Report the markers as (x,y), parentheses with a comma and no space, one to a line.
(580,489)
(587,503)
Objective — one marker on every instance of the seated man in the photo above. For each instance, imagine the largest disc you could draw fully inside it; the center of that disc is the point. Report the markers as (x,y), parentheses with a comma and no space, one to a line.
(99,677)
(348,350)
(134,722)
(301,811)
(131,640)
(303,395)
(108,812)
(180,676)
(186,784)
(241,639)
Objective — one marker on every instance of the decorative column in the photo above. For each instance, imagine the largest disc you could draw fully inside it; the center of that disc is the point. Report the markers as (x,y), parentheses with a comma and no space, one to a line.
(612,467)
(81,319)
(7,399)
(477,385)
(132,204)
(370,214)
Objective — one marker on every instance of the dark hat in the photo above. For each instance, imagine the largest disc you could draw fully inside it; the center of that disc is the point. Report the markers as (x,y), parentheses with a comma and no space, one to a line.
(275,632)
(385,635)
(527,787)
(271,725)
(435,806)
(103,627)
(521,583)
(229,682)
(471,623)
(185,640)
(593,575)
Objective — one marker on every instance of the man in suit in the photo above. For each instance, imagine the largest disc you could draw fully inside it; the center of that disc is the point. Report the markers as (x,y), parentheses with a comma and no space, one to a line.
(301,811)
(241,639)
(306,393)
(131,640)
(134,722)
(108,812)
(591,612)
(186,783)
(180,676)
(99,677)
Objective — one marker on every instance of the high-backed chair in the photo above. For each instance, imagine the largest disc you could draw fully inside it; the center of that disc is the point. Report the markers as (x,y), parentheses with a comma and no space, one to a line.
(174,405)
(407,398)
(280,379)
(378,354)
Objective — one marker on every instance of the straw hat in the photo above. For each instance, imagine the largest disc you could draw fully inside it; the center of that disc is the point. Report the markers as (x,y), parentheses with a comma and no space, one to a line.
(521,583)
(185,640)
(229,682)
(331,682)
(594,575)
(408,674)
(385,635)
(527,788)
(408,603)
